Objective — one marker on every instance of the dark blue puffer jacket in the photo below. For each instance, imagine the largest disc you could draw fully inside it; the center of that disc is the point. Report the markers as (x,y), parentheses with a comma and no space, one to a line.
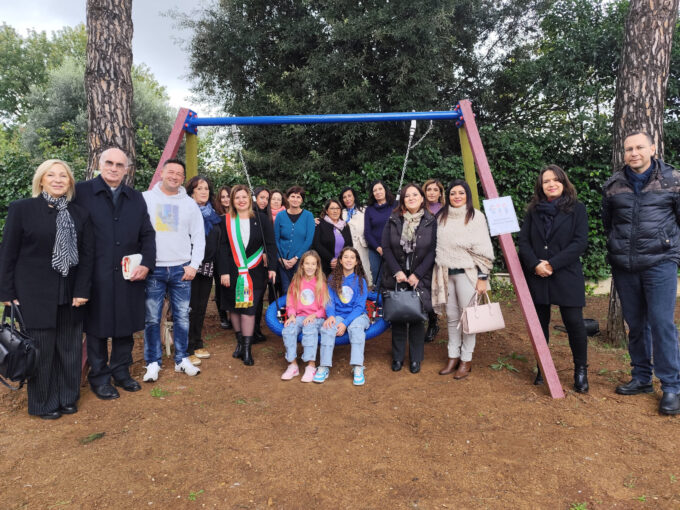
(642,230)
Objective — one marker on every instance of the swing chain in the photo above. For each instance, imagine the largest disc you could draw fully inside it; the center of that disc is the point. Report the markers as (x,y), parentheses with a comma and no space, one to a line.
(412,131)
(239,149)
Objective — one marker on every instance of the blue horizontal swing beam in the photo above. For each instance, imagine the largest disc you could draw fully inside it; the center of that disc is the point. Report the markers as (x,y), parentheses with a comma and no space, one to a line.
(195,121)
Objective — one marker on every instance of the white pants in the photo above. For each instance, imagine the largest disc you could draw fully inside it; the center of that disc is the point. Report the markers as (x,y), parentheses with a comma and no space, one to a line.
(460,292)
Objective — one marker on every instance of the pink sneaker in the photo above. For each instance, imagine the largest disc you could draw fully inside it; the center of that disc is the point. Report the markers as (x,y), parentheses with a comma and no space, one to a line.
(309,374)
(291,371)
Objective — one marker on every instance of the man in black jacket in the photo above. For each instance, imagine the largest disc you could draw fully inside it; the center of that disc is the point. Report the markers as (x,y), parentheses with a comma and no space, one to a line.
(641,214)
(116,310)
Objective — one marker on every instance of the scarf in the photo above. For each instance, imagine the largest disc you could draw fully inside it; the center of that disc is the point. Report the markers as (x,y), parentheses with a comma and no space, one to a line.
(243,290)
(636,180)
(408,231)
(547,210)
(275,212)
(210,217)
(65,251)
(350,213)
(337,232)
(460,245)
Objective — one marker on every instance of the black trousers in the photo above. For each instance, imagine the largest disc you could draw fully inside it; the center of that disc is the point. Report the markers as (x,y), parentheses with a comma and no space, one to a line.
(218,294)
(102,367)
(414,332)
(57,380)
(572,316)
(201,286)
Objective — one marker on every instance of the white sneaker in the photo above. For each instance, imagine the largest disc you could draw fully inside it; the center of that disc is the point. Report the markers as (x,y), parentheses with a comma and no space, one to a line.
(187,367)
(152,370)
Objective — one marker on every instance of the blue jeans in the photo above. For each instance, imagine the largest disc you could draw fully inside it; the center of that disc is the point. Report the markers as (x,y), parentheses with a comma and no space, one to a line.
(375,259)
(287,276)
(357,339)
(648,303)
(310,339)
(157,283)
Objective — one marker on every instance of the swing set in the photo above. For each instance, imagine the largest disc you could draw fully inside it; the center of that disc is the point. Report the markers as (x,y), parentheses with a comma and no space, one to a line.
(475,165)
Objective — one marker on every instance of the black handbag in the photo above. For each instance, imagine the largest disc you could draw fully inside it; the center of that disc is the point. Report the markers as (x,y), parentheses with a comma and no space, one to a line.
(403,305)
(18,353)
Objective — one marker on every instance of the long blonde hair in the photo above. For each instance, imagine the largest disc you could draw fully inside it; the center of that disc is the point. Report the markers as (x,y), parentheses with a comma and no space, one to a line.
(321,289)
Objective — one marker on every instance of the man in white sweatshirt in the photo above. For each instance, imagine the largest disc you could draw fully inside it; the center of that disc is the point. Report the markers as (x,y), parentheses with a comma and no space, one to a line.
(180,243)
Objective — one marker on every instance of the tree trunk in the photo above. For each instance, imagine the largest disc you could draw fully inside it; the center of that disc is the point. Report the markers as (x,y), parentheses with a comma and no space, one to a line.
(108,80)
(640,97)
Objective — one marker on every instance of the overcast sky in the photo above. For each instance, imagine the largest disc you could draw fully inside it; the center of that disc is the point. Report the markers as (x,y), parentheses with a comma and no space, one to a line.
(154,43)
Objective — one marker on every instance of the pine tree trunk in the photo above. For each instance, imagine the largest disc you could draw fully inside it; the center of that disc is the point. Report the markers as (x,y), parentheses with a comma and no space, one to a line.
(108,80)
(640,97)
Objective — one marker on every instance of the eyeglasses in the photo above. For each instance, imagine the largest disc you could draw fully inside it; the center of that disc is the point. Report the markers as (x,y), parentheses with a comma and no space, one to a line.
(336,208)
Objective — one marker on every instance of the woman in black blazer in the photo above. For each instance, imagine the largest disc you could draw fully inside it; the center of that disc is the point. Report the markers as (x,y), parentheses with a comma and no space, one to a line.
(332,234)
(246,237)
(553,237)
(46,267)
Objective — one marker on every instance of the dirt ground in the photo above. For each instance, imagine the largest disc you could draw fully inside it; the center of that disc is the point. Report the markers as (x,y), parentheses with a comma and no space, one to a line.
(239,437)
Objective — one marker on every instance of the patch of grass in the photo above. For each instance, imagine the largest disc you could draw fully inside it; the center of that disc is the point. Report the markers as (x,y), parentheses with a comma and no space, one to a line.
(579,506)
(673,479)
(240,401)
(518,357)
(642,498)
(625,357)
(501,363)
(629,482)
(193,495)
(92,437)
(159,392)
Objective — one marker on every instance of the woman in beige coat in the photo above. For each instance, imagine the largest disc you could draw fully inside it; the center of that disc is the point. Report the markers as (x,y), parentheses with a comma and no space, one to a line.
(464,259)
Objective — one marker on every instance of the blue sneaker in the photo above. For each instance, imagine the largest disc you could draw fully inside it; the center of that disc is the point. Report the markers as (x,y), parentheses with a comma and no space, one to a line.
(321,374)
(359,378)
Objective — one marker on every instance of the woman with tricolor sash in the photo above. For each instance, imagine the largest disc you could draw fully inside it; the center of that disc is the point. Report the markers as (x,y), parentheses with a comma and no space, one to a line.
(247,237)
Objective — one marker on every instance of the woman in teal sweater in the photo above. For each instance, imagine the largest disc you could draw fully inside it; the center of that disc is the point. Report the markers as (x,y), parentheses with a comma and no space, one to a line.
(294,233)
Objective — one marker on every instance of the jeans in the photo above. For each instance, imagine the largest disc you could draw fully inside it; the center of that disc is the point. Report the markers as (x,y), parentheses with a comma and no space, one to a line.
(357,339)
(287,276)
(375,260)
(648,303)
(310,339)
(157,283)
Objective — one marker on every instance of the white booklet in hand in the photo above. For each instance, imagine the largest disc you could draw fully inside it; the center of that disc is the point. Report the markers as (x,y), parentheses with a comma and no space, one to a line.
(129,263)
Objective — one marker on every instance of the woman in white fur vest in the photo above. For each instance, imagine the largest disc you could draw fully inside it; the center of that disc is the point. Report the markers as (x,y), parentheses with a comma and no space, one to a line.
(463,262)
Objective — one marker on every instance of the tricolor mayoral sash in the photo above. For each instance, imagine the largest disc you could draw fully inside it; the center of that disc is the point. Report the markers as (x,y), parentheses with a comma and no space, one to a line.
(244,283)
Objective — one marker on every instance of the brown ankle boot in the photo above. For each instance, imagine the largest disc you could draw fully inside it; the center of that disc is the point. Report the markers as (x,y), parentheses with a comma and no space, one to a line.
(450,366)
(464,370)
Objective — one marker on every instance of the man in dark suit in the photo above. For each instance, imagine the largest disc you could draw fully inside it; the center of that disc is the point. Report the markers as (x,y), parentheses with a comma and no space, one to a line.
(116,309)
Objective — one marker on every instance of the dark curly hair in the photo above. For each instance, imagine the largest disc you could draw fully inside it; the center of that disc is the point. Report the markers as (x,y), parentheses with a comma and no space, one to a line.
(336,276)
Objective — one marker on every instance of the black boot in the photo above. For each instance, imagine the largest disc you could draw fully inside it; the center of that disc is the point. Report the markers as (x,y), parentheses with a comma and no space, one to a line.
(581,378)
(225,323)
(238,353)
(247,355)
(432,328)
(539,377)
(258,336)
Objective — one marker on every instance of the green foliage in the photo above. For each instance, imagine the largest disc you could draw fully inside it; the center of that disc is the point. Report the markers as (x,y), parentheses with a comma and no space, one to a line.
(289,57)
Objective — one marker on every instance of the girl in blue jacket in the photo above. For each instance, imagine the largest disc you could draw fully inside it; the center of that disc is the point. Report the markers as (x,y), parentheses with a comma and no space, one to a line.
(348,291)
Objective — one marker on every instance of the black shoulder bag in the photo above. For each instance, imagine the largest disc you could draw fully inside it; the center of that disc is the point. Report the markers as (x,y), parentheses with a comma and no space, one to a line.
(18,353)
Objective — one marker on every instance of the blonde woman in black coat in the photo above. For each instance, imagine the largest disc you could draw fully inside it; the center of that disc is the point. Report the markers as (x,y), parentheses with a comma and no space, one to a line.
(46,268)
(553,237)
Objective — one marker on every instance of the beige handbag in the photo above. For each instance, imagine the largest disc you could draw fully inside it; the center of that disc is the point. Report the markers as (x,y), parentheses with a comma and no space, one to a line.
(480,318)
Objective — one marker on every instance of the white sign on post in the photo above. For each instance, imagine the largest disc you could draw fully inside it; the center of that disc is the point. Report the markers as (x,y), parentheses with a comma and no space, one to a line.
(500,215)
